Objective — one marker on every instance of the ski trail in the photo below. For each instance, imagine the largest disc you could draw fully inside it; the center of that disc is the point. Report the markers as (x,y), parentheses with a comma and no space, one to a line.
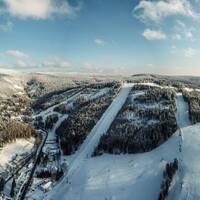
(182,115)
(92,141)
(182,191)
(50,109)
(52,132)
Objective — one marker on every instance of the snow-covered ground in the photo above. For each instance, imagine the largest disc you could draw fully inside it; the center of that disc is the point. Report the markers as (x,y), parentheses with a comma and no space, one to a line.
(138,176)
(20,146)
(190,165)
(92,140)
(182,115)
(92,95)
(132,177)
(158,105)
(191,89)
(85,151)
(156,85)
(69,101)
(11,83)
(52,133)
(49,111)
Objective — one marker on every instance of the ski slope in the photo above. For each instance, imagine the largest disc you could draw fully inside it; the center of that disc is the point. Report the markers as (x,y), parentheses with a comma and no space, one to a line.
(50,110)
(182,115)
(189,171)
(136,176)
(130,177)
(88,146)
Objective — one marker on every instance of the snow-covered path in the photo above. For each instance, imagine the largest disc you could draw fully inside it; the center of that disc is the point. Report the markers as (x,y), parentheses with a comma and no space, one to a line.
(93,138)
(188,183)
(52,133)
(190,162)
(137,176)
(189,171)
(182,115)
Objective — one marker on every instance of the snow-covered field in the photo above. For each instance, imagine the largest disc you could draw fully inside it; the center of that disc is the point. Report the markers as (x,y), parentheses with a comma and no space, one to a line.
(92,140)
(138,176)
(125,176)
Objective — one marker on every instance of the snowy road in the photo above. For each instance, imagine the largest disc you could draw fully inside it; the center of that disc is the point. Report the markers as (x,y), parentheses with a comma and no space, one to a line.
(92,140)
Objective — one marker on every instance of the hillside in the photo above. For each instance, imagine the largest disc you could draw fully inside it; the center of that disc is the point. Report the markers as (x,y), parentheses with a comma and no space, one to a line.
(99,139)
(138,176)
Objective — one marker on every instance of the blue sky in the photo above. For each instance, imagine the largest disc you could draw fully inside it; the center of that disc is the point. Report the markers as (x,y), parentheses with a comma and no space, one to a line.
(102,36)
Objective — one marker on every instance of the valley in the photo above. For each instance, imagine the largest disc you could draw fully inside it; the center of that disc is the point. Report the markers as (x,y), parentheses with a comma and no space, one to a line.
(100,140)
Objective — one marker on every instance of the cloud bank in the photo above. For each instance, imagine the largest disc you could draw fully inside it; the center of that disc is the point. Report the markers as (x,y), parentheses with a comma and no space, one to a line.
(156,11)
(16,54)
(39,9)
(154,35)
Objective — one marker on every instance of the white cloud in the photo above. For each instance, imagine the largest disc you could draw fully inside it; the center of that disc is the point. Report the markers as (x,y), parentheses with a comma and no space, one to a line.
(7,27)
(24,63)
(190,52)
(189,34)
(100,42)
(21,59)
(16,54)
(176,36)
(158,10)
(182,31)
(38,9)
(88,66)
(154,35)
(56,62)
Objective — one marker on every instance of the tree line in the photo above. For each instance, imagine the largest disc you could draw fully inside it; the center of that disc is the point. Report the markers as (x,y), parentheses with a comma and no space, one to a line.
(12,130)
(193,100)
